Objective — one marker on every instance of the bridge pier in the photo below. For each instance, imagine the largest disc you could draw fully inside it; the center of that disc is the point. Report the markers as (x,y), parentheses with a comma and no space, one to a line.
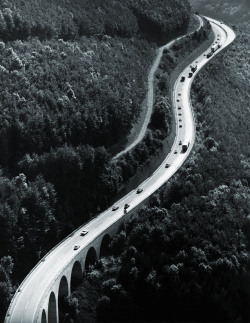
(71,276)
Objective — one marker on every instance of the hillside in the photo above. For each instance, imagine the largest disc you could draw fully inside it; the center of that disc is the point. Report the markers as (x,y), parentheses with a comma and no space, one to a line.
(73,81)
(186,257)
(233,11)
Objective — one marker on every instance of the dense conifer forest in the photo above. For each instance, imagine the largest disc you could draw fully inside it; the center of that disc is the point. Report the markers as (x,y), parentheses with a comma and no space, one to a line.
(73,82)
(185,257)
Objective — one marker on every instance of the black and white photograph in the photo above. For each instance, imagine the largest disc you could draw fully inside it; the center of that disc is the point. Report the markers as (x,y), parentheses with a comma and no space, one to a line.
(124,161)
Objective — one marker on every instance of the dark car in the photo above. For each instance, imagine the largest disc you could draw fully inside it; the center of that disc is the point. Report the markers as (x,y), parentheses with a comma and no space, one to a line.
(180,142)
(180,126)
(139,190)
(167,165)
(175,152)
(179,108)
(126,206)
(76,247)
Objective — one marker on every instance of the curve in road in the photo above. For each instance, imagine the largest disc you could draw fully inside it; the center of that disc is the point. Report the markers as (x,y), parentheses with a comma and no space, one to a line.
(150,94)
(31,298)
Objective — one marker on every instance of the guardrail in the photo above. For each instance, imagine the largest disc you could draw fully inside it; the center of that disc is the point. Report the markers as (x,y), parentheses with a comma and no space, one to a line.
(13,300)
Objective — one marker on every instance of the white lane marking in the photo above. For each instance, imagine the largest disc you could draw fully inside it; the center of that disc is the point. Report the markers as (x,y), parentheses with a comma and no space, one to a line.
(27,304)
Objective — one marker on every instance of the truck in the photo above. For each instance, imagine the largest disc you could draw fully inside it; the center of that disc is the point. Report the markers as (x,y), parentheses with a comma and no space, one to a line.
(185,146)
(215,47)
(193,68)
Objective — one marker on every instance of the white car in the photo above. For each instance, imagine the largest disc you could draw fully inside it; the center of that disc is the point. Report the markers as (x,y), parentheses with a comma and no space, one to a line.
(76,247)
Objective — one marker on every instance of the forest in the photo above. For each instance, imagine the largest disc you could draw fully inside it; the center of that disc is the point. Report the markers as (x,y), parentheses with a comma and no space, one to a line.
(189,249)
(233,11)
(73,82)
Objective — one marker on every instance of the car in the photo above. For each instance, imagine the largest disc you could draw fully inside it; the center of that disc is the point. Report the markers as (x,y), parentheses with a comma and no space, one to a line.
(179,114)
(126,206)
(167,165)
(76,247)
(196,62)
(175,152)
(179,94)
(84,232)
(180,120)
(139,190)
(178,100)
(115,207)
(180,142)
(182,78)
(180,126)
(179,108)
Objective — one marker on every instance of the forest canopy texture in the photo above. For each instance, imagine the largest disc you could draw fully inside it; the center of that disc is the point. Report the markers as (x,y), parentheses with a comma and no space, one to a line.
(189,249)
(73,80)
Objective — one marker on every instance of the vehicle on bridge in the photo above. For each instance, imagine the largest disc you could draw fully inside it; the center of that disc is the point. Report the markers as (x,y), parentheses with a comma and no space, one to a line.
(76,247)
(215,47)
(115,207)
(139,190)
(193,67)
(182,78)
(126,206)
(209,54)
(84,232)
(185,146)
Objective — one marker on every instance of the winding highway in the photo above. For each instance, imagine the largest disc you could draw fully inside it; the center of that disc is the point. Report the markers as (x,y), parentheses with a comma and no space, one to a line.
(150,94)
(28,303)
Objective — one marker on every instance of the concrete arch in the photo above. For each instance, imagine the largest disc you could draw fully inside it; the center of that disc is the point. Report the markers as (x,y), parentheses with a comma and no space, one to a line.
(52,309)
(76,275)
(105,245)
(91,258)
(63,287)
(44,319)
(63,291)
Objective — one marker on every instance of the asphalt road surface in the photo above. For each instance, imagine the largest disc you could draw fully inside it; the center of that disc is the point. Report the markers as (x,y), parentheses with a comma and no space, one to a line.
(24,307)
(150,94)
